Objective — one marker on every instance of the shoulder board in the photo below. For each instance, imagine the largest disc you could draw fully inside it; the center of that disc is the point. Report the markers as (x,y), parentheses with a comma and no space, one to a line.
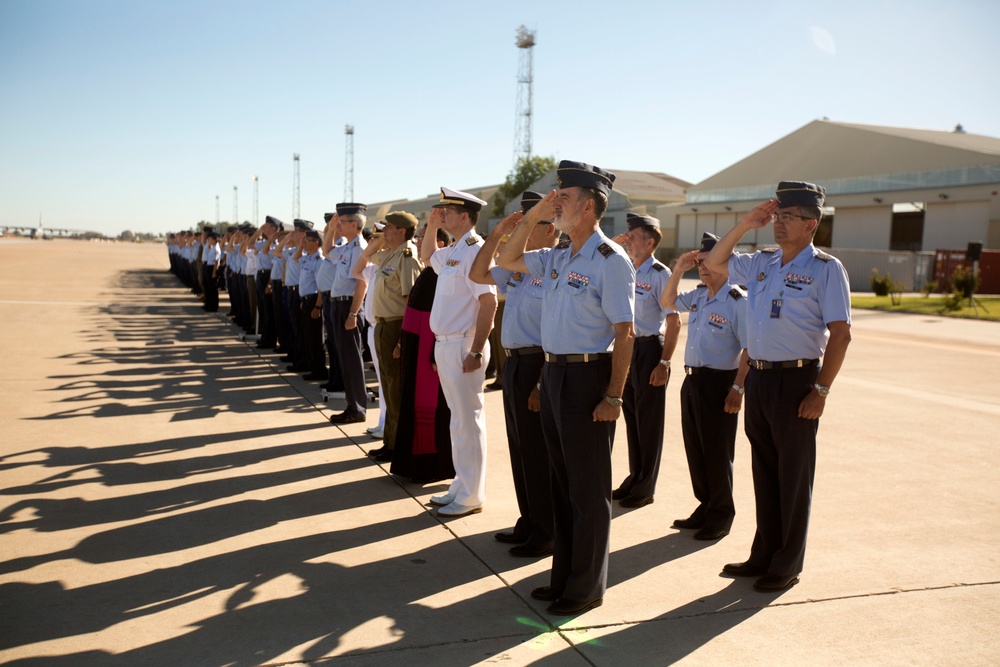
(737,293)
(407,252)
(605,250)
(657,266)
(823,257)
(472,240)
(770,250)
(562,245)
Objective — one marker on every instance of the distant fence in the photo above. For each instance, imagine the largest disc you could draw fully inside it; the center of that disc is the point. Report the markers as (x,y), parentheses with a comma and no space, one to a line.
(912,270)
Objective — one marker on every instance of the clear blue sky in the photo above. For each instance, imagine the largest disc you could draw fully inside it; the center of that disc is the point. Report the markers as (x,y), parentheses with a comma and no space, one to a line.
(126,114)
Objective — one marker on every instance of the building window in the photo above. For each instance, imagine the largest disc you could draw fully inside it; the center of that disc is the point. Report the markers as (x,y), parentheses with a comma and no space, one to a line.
(907,230)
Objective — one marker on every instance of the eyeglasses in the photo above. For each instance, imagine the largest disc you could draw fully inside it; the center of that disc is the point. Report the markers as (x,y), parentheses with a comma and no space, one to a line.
(787,217)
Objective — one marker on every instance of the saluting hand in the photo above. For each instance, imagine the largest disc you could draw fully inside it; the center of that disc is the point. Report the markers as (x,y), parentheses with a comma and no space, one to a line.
(761,214)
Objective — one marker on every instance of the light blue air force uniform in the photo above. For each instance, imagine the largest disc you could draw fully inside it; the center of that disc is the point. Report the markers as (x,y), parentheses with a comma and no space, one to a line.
(584,294)
(650,279)
(309,265)
(344,257)
(292,268)
(717,327)
(791,305)
(522,316)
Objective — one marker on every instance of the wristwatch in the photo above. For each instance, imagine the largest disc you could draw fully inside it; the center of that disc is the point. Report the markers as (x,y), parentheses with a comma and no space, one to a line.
(615,401)
(739,389)
(821,390)
(476,355)
(665,362)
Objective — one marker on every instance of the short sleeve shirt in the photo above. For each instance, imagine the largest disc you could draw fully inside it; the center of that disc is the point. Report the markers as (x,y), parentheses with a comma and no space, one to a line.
(456,299)
(717,331)
(521,325)
(585,294)
(397,271)
(789,306)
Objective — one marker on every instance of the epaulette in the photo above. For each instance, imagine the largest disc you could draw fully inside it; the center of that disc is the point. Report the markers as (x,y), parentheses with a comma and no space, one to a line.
(562,245)
(737,293)
(407,252)
(605,250)
(770,250)
(823,257)
(658,266)
(472,240)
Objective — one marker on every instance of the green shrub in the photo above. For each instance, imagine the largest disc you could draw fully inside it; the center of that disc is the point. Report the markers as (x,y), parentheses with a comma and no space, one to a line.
(964,281)
(881,285)
(929,288)
(954,301)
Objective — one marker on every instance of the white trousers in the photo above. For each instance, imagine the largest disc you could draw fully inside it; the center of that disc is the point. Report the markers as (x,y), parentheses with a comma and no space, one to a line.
(378,376)
(464,393)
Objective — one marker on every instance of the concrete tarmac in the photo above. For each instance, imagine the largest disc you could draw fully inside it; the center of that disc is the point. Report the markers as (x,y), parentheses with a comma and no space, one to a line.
(171,496)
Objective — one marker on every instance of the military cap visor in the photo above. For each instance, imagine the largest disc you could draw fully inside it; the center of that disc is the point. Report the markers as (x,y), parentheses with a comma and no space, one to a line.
(350,208)
(800,193)
(572,174)
(461,199)
(529,199)
(273,221)
(636,220)
(401,219)
(708,241)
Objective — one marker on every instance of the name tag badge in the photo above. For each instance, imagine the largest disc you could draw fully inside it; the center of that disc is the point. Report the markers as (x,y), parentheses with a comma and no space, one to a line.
(775,308)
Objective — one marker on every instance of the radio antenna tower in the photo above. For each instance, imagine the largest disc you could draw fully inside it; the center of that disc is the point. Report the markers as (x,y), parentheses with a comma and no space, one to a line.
(295,186)
(349,164)
(255,200)
(522,125)
(236,199)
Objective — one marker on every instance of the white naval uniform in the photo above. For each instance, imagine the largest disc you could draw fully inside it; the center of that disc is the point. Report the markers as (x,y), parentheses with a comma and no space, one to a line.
(453,321)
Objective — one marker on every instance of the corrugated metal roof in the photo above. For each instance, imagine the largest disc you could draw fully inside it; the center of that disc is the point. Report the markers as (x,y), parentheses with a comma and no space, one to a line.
(826,149)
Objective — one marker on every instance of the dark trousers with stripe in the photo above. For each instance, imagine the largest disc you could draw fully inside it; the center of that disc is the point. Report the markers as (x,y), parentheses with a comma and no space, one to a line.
(783,448)
(348,353)
(710,443)
(643,407)
(580,455)
(529,458)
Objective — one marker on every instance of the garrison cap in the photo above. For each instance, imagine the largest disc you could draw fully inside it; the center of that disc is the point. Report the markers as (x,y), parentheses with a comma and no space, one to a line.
(401,219)
(579,175)
(451,197)
(303,225)
(351,208)
(528,200)
(800,193)
(636,220)
(327,217)
(313,235)
(269,220)
(708,241)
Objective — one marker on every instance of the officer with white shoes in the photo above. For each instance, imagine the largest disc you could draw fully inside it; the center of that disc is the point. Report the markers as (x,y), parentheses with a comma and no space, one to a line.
(461,319)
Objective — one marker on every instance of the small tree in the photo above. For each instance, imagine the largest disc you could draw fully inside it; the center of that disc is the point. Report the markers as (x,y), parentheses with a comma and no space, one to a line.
(525,172)
(127,235)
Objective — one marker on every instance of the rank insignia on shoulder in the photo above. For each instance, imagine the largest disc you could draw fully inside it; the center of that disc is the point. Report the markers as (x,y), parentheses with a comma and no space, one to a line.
(737,293)
(407,253)
(658,267)
(823,257)
(760,276)
(605,250)
(472,240)
(562,245)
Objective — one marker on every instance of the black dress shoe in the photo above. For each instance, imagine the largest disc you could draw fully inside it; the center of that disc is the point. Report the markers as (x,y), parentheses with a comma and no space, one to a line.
(546,594)
(381,455)
(564,607)
(774,582)
(347,418)
(746,569)
(511,537)
(530,551)
(688,523)
(707,533)
(636,501)
(620,493)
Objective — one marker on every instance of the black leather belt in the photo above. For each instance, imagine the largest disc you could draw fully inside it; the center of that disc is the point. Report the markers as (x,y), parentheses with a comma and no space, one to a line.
(341,298)
(523,351)
(646,339)
(576,358)
(383,320)
(695,370)
(781,365)
(294,288)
